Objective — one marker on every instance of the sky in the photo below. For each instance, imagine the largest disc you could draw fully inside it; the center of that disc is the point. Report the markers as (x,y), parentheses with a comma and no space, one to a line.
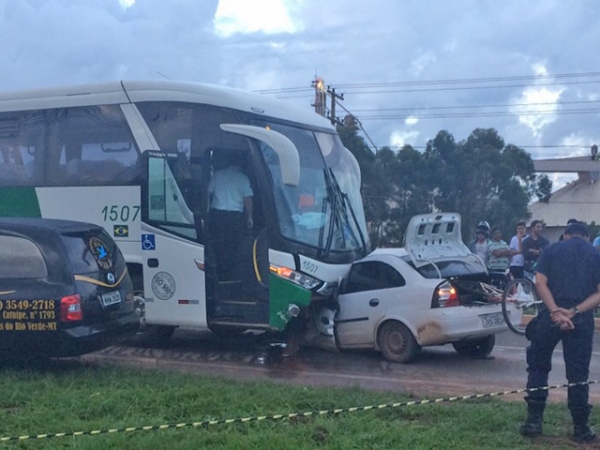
(407,69)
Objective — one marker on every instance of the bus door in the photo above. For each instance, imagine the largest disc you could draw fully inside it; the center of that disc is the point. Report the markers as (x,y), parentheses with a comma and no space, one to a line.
(175,202)
(237,278)
(235,296)
(172,242)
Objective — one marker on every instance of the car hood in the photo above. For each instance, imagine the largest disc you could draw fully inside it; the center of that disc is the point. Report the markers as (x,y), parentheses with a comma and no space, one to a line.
(432,238)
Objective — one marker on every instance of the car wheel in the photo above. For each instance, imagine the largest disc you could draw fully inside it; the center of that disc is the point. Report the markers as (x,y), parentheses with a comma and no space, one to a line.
(397,343)
(149,334)
(476,348)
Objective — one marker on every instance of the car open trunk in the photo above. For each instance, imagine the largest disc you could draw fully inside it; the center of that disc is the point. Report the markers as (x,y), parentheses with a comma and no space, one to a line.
(436,250)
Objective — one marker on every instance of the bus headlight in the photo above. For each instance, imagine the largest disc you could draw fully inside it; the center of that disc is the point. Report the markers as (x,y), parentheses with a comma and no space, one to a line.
(301,279)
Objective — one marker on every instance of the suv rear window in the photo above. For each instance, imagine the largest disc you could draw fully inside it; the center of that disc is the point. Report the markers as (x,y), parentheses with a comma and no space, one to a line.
(21,258)
(91,253)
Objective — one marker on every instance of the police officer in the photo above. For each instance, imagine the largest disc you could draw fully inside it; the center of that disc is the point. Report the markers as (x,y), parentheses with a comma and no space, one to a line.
(568,282)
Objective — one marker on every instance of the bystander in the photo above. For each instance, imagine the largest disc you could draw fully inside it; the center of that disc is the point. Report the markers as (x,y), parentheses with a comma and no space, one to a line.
(568,282)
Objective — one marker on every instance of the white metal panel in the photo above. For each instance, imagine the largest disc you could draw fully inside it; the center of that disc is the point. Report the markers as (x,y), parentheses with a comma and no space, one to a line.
(428,238)
(62,97)
(143,91)
(281,259)
(323,271)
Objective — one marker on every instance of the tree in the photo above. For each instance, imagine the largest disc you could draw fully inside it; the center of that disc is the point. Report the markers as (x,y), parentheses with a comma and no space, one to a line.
(483,179)
(411,191)
(375,183)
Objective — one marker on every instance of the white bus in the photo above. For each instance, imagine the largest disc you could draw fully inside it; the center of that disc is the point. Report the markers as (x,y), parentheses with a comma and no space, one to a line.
(136,158)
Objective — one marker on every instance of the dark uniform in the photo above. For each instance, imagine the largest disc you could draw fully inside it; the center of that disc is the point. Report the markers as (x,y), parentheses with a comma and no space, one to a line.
(572,268)
(533,244)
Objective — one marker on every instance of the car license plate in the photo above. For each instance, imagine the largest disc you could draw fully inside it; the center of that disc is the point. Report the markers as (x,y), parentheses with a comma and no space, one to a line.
(111,298)
(492,320)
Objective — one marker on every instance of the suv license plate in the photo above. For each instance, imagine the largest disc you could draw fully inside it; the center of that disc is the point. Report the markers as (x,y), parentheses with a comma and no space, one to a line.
(111,298)
(492,320)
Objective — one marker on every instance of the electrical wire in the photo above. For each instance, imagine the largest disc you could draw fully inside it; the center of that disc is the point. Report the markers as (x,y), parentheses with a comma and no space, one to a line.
(522,110)
(505,105)
(435,82)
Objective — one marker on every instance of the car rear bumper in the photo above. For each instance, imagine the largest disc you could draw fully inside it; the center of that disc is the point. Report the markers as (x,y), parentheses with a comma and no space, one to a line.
(450,326)
(72,341)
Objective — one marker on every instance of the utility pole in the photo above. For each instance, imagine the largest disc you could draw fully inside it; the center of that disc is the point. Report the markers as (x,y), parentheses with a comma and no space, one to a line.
(350,121)
(320,103)
(334,97)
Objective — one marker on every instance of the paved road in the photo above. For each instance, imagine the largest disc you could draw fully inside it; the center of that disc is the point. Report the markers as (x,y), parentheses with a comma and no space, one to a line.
(438,371)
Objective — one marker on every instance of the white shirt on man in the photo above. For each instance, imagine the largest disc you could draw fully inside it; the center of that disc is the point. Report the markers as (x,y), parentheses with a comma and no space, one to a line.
(228,188)
(517,260)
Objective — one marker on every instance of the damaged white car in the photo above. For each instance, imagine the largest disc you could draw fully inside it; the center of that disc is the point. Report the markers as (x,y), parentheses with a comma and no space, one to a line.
(398,300)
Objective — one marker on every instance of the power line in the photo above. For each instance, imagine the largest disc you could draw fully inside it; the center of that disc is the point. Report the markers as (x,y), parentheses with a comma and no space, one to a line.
(481,114)
(521,110)
(461,88)
(470,80)
(505,105)
(436,82)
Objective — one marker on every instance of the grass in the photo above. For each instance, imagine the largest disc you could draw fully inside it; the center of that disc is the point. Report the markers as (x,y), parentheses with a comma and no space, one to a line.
(69,396)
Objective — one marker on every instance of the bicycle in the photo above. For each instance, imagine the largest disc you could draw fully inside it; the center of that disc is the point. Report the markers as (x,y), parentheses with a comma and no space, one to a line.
(520,300)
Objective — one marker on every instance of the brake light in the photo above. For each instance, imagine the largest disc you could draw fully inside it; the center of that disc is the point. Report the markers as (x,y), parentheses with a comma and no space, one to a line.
(70,308)
(445,296)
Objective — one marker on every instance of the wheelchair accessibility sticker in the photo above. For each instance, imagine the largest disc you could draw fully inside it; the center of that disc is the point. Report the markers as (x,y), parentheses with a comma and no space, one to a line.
(148,242)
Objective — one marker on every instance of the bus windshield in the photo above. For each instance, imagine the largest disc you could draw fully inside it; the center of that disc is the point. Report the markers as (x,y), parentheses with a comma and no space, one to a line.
(325,209)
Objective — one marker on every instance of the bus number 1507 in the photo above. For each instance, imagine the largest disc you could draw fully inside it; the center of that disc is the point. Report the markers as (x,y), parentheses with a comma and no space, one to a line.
(114,213)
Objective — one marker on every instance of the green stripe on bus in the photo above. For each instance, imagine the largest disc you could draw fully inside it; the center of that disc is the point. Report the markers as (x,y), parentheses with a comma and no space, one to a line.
(282,293)
(19,202)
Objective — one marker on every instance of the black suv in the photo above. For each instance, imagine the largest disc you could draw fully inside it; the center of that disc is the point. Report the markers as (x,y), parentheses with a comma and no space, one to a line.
(64,289)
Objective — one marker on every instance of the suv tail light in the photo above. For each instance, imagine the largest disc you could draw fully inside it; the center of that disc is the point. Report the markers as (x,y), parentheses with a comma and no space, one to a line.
(70,308)
(445,296)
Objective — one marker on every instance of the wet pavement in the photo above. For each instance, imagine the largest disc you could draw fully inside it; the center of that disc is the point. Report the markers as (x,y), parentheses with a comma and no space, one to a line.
(439,371)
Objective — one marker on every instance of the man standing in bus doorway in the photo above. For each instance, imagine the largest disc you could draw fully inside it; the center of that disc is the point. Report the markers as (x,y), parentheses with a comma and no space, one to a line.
(230,211)
(568,282)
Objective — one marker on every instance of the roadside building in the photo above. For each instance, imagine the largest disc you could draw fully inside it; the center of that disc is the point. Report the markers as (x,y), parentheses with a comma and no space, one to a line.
(579,198)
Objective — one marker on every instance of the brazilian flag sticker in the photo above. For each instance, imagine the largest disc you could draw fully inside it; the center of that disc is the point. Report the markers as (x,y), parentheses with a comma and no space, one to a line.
(121,230)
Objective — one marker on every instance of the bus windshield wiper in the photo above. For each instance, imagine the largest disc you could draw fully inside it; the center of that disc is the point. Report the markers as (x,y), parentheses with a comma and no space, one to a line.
(331,200)
(339,203)
(346,201)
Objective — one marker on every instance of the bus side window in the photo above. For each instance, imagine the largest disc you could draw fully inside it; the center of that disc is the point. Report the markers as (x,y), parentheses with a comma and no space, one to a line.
(21,134)
(11,172)
(91,146)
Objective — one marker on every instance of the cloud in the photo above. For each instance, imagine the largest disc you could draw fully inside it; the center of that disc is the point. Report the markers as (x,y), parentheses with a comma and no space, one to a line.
(421,62)
(254,44)
(57,42)
(399,139)
(251,16)
(537,106)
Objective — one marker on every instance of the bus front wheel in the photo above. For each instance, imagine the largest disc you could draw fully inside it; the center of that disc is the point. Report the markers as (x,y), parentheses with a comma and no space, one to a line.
(149,334)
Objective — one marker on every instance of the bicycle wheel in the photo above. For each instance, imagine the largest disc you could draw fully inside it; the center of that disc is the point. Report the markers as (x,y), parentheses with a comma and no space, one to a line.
(520,302)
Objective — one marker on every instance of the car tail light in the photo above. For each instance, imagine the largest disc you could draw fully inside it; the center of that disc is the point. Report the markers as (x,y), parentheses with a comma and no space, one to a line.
(445,296)
(70,308)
